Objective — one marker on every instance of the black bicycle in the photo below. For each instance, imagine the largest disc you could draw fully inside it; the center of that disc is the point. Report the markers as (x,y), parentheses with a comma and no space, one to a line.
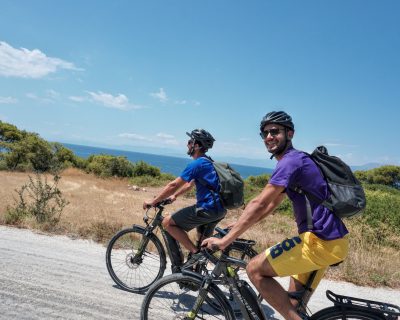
(136,257)
(190,295)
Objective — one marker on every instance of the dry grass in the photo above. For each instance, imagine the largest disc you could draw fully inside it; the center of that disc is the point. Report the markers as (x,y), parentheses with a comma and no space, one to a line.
(99,207)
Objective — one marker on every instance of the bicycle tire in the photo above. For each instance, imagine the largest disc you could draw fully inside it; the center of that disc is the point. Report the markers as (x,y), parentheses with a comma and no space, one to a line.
(336,313)
(173,296)
(132,273)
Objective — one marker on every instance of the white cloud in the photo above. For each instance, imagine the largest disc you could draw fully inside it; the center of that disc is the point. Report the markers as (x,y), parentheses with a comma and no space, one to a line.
(160,95)
(165,135)
(181,102)
(119,101)
(166,138)
(24,63)
(134,136)
(160,139)
(329,144)
(8,100)
(77,98)
(50,96)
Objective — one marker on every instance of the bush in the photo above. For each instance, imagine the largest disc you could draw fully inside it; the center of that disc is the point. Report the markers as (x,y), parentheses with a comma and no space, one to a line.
(150,181)
(384,175)
(37,199)
(107,166)
(382,214)
(141,168)
(253,185)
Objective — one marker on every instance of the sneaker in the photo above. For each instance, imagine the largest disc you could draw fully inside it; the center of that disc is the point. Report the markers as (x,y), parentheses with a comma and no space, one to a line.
(193,259)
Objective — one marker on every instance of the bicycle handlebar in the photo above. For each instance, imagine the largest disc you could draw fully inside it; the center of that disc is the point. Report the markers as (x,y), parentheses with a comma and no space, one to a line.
(160,204)
(209,254)
(239,241)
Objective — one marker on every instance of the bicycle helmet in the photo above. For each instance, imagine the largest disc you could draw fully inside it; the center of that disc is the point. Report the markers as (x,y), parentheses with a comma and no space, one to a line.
(278,117)
(203,137)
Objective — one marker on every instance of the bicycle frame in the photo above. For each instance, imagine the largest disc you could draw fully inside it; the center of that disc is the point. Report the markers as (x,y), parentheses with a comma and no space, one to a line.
(174,250)
(225,274)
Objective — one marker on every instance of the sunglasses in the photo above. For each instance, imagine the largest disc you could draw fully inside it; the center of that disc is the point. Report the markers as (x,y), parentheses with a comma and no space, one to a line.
(273,132)
(190,141)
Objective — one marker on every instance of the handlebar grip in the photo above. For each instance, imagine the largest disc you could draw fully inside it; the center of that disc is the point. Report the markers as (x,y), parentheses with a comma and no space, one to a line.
(214,247)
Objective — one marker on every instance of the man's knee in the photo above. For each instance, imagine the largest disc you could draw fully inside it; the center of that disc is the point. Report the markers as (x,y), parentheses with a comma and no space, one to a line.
(259,266)
(168,222)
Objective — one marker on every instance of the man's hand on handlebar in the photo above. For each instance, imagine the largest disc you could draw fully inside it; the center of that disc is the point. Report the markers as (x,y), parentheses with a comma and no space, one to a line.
(213,243)
(171,198)
(147,204)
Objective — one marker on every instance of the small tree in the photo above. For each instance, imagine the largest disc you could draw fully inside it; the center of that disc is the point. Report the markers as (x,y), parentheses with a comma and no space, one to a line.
(39,199)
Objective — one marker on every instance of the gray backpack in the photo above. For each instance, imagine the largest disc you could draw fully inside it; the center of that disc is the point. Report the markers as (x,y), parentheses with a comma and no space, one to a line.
(231,185)
(347,194)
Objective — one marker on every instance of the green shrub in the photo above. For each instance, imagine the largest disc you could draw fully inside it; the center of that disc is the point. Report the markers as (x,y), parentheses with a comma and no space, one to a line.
(253,185)
(107,166)
(142,168)
(3,164)
(258,181)
(384,175)
(381,219)
(38,199)
(151,181)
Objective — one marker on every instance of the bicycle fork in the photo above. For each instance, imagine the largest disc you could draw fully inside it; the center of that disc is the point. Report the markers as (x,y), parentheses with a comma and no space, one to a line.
(199,300)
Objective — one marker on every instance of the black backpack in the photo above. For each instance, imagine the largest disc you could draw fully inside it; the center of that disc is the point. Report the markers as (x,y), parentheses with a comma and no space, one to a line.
(347,195)
(231,185)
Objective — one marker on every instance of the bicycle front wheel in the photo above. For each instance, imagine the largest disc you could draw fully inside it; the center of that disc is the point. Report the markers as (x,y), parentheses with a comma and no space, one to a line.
(135,261)
(174,296)
(336,313)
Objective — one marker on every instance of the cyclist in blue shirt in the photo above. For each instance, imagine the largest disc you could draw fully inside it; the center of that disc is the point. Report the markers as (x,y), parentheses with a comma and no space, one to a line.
(208,210)
(317,246)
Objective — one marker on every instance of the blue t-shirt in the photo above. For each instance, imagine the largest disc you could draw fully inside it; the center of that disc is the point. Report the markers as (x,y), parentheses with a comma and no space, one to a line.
(297,169)
(202,168)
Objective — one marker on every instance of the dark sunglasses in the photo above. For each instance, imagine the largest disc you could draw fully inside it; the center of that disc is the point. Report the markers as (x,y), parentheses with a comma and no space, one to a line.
(190,141)
(273,132)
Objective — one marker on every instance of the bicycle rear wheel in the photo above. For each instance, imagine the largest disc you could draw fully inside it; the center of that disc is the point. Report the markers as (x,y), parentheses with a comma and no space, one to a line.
(173,297)
(130,269)
(336,313)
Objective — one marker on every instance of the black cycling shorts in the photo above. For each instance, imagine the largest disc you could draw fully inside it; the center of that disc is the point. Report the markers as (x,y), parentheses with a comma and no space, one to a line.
(204,220)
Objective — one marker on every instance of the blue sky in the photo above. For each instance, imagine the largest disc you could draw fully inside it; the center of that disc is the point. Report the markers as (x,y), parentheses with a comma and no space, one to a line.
(136,75)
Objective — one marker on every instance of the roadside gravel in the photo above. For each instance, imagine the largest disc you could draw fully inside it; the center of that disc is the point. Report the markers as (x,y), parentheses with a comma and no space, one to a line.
(55,277)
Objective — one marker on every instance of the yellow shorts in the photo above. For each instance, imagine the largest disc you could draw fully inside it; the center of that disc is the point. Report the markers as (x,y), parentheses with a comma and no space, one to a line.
(300,255)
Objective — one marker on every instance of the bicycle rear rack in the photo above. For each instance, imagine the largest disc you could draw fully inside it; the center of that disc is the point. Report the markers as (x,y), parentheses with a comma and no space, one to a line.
(390,311)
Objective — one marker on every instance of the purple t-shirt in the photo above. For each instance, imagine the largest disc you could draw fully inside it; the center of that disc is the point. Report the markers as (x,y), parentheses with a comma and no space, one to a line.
(297,169)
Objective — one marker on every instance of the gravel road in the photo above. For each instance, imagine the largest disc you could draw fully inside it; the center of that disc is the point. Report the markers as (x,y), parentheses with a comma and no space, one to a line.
(55,277)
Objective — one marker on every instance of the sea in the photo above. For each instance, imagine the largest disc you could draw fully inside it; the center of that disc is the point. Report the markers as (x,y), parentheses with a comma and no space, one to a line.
(167,164)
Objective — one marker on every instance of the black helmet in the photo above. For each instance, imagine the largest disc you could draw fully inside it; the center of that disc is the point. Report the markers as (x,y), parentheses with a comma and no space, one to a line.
(278,117)
(203,137)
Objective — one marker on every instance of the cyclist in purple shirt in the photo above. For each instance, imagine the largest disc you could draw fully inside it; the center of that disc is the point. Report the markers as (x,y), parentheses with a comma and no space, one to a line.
(318,244)
(208,210)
